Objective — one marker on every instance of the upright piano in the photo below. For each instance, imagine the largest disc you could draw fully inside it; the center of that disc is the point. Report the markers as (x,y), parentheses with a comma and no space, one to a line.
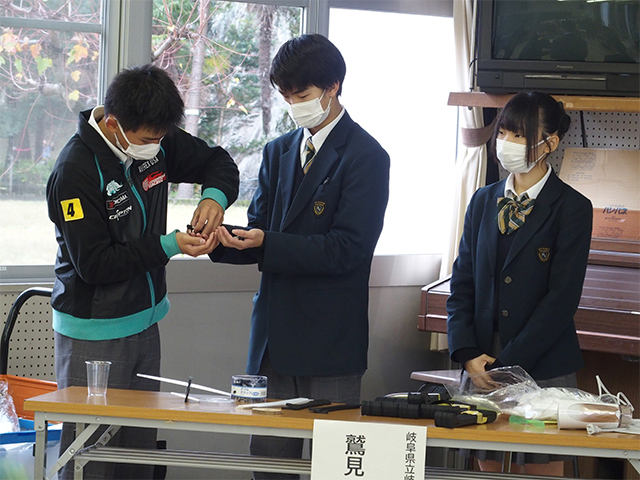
(608,326)
(607,320)
(608,317)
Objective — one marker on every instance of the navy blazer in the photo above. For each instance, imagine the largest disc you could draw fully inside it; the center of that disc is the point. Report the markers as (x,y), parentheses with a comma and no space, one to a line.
(539,286)
(312,306)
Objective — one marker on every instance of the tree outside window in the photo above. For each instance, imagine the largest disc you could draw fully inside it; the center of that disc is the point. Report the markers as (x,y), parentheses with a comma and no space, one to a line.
(217,52)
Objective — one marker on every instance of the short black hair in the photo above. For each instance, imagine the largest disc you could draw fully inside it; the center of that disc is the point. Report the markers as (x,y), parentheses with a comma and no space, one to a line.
(307,60)
(526,112)
(144,97)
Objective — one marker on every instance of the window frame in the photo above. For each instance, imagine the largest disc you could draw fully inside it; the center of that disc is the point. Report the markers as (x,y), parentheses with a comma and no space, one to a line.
(125,30)
(124,35)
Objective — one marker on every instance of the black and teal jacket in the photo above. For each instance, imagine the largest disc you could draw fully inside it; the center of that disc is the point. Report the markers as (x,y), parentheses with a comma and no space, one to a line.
(110,219)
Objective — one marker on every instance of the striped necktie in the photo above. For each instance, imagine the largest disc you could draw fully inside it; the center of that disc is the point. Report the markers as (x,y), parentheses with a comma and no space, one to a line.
(512,213)
(309,154)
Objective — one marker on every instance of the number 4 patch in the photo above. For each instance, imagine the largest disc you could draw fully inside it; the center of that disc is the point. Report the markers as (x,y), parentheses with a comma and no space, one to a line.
(72,209)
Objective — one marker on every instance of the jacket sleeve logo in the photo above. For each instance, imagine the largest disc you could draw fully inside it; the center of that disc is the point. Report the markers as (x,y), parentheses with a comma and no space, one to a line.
(544,253)
(318,208)
(153,179)
(113,187)
(72,209)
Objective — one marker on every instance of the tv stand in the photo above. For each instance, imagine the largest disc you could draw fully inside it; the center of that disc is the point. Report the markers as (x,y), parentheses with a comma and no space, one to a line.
(571,102)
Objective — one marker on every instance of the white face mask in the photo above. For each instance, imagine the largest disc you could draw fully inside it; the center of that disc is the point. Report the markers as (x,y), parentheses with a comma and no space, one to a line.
(309,114)
(139,152)
(513,156)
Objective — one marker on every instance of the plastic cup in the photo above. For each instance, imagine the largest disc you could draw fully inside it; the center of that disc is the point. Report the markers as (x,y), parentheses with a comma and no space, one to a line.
(97,377)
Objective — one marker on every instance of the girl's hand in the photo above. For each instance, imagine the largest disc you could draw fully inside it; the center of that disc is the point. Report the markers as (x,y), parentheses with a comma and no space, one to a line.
(477,370)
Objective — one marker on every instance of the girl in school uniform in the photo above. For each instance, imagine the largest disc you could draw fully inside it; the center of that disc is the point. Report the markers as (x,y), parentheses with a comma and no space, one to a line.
(522,259)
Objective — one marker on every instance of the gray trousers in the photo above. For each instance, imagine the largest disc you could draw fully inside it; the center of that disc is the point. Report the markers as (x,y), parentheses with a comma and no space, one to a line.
(337,388)
(138,353)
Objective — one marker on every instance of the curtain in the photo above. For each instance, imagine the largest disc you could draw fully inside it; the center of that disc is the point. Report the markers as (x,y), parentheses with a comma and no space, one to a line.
(472,154)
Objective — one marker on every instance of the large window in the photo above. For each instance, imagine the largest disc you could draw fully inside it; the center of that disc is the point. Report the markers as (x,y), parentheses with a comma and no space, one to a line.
(396,88)
(50,53)
(219,54)
(52,65)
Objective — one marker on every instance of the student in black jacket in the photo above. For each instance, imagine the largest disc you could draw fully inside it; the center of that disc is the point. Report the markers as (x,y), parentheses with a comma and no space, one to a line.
(107,196)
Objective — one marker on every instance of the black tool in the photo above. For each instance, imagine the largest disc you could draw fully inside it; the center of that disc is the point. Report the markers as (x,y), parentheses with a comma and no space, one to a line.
(468,417)
(234,227)
(400,408)
(186,396)
(432,402)
(335,408)
(309,404)
(428,397)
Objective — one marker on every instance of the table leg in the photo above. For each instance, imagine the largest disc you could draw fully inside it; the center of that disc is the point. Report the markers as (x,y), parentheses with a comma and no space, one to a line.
(77,444)
(107,435)
(78,467)
(40,425)
(78,473)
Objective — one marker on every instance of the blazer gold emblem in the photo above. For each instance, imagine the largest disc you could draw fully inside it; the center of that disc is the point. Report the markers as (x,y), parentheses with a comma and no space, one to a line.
(544,253)
(318,208)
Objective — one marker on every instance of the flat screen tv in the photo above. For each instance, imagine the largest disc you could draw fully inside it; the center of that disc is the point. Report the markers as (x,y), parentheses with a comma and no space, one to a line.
(574,47)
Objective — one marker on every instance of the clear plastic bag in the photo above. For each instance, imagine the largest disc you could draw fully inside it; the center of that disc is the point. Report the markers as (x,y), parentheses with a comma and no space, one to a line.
(8,417)
(511,390)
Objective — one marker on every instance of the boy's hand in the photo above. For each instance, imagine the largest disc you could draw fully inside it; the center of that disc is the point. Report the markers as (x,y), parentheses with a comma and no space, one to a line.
(239,238)
(206,218)
(196,245)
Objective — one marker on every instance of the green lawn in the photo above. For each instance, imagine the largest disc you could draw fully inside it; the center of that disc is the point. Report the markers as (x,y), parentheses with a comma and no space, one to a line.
(27,235)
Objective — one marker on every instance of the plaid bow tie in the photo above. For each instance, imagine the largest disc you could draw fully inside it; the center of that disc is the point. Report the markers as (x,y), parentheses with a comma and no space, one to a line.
(512,213)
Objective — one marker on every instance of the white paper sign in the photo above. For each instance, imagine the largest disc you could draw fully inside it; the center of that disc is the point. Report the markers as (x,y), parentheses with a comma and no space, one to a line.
(367,451)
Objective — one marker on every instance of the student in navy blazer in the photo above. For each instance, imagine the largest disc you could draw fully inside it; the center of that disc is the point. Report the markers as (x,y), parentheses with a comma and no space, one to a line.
(313,236)
(514,294)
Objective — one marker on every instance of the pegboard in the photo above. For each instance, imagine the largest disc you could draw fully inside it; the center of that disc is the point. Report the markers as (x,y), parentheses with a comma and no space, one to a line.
(601,130)
(31,346)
